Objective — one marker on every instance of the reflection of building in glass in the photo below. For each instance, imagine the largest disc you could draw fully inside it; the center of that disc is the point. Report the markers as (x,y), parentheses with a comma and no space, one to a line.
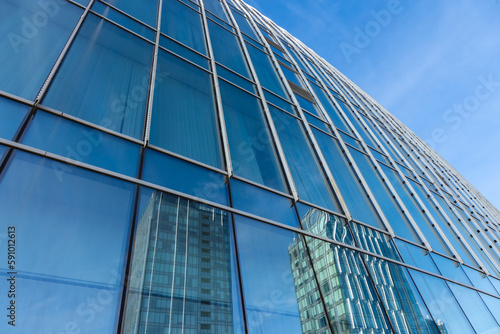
(180,276)
(352,304)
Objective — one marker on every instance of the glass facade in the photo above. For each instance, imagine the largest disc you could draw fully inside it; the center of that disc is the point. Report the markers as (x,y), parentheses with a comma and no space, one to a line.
(186,166)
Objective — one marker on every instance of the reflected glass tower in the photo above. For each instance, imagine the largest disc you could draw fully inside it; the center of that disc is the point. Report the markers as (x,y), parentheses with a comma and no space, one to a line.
(188,166)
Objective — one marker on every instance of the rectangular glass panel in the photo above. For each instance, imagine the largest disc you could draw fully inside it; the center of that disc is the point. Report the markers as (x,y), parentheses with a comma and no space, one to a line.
(215,7)
(391,209)
(348,291)
(374,241)
(266,73)
(104,78)
(71,243)
(442,304)
(29,25)
(185,177)
(243,24)
(184,118)
(144,10)
(227,50)
(11,114)
(416,256)
(263,203)
(451,269)
(356,198)
(182,273)
(401,299)
(280,290)
(184,52)
(250,142)
(78,142)
(183,24)
(475,309)
(316,122)
(308,177)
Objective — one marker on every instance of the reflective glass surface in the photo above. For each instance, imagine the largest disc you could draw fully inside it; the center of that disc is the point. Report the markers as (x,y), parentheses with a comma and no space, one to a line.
(11,114)
(475,309)
(416,256)
(184,117)
(182,275)
(307,175)
(34,34)
(183,24)
(265,72)
(185,177)
(227,50)
(442,304)
(80,227)
(252,152)
(263,203)
(281,295)
(374,241)
(144,10)
(111,67)
(78,142)
(351,189)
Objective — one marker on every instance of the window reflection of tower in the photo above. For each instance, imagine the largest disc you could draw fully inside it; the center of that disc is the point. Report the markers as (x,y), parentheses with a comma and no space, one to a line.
(180,276)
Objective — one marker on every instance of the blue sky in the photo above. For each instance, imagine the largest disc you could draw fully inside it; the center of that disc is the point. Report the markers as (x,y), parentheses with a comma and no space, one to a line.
(435,65)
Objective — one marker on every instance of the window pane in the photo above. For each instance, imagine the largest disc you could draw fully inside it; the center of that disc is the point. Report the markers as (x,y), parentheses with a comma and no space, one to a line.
(182,274)
(265,71)
(450,269)
(185,177)
(215,7)
(78,142)
(281,295)
(35,32)
(374,241)
(416,256)
(263,203)
(352,191)
(72,242)
(144,10)
(406,310)
(252,151)
(104,79)
(347,288)
(11,114)
(243,24)
(227,50)
(307,175)
(184,119)
(325,224)
(391,209)
(442,305)
(183,24)
(475,309)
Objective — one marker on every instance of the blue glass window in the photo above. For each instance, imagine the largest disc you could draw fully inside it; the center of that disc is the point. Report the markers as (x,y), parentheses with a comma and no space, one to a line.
(374,241)
(398,221)
(447,315)
(263,203)
(243,24)
(123,20)
(401,299)
(182,273)
(416,256)
(72,241)
(271,260)
(352,191)
(252,152)
(268,77)
(475,309)
(183,24)
(78,142)
(185,177)
(184,118)
(144,10)
(215,7)
(307,175)
(227,50)
(104,78)
(450,269)
(308,105)
(11,114)
(34,35)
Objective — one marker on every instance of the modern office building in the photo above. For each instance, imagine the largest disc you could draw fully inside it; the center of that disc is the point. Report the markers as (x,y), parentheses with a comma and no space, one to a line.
(188,166)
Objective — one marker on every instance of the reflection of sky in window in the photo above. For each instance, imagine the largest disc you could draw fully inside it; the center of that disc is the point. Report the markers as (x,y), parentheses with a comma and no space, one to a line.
(11,114)
(267,277)
(71,231)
